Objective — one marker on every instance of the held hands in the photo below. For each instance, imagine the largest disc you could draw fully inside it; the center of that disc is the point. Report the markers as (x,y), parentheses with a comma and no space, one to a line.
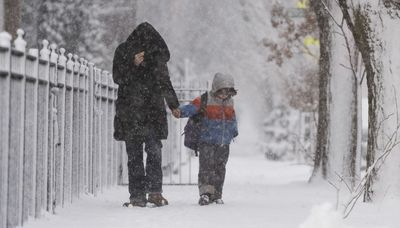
(139,57)
(176,113)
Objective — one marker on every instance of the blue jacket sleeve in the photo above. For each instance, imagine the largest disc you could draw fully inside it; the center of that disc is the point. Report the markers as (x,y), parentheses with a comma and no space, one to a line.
(188,110)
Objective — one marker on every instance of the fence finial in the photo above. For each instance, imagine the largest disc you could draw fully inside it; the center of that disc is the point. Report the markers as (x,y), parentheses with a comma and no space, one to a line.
(20,43)
(45,52)
(70,62)
(53,55)
(5,40)
(86,66)
(77,64)
(62,60)
(82,68)
(104,78)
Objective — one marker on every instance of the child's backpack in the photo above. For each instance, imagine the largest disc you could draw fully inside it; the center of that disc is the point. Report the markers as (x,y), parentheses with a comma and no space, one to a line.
(192,129)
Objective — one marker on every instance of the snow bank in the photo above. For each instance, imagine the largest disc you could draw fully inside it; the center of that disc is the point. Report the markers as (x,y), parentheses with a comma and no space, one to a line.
(324,216)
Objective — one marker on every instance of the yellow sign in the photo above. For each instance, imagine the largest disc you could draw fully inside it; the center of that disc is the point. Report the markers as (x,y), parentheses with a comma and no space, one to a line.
(310,41)
(302,4)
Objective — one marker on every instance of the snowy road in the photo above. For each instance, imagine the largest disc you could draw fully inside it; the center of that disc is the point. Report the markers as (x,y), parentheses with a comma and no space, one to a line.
(258,193)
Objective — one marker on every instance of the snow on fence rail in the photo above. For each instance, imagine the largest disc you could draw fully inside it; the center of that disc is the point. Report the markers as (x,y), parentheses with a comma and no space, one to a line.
(56,126)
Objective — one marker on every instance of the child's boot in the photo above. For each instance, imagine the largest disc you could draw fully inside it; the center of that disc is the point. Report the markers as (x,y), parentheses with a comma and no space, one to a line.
(204,199)
(216,199)
(139,201)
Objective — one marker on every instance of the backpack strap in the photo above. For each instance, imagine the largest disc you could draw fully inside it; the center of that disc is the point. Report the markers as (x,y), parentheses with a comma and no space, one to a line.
(202,111)
(203,103)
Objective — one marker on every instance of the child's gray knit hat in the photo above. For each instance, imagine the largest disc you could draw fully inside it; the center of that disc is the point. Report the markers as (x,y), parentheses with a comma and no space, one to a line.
(221,81)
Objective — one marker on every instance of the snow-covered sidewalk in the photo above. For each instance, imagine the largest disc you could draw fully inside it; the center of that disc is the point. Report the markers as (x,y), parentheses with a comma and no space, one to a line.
(257,193)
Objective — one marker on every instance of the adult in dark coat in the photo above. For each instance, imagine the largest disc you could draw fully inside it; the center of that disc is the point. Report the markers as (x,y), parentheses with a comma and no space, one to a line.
(140,70)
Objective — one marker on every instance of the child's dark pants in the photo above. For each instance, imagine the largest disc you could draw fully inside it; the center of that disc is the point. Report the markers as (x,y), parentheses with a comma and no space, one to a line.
(213,159)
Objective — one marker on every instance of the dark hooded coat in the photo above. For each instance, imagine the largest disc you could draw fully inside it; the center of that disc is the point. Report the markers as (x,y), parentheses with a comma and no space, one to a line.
(140,107)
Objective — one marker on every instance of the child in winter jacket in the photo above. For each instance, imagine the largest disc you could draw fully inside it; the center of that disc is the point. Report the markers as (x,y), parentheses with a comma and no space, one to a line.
(218,128)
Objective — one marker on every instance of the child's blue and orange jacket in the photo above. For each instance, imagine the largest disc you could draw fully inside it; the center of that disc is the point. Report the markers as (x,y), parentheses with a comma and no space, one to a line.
(219,125)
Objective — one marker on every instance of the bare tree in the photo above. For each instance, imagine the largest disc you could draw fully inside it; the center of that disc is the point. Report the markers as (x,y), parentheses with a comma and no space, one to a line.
(296,48)
(339,135)
(337,149)
(302,92)
(370,23)
(321,153)
(291,34)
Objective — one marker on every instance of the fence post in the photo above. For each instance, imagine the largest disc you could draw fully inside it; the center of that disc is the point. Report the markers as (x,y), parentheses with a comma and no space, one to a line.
(5,52)
(75,131)
(86,149)
(30,142)
(97,131)
(114,142)
(110,141)
(16,146)
(90,89)
(81,113)
(43,128)
(69,90)
(60,148)
(53,129)
(104,129)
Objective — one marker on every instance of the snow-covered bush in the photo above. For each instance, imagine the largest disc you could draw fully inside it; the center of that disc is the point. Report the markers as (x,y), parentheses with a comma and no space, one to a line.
(287,135)
(324,216)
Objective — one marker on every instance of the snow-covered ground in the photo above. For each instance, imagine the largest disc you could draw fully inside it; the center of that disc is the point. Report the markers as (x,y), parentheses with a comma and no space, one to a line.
(257,193)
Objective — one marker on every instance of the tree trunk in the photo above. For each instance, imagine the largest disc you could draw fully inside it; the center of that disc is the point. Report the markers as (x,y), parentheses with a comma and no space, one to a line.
(342,140)
(337,151)
(384,33)
(321,156)
(29,20)
(12,16)
(2,15)
(375,29)
(361,32)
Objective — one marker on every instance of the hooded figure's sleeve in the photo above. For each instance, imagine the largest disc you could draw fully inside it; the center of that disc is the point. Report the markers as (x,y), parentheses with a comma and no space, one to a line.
(167,90)
(120,68)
